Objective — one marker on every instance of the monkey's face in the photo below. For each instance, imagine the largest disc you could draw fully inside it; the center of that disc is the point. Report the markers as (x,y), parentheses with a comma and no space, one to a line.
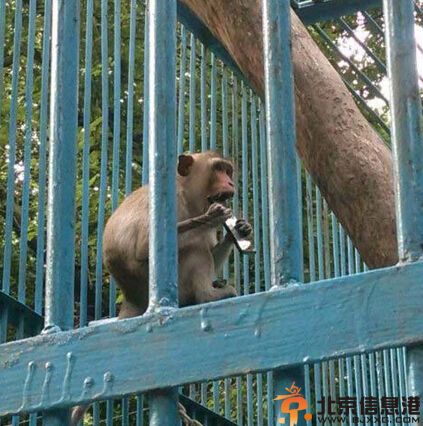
(222,187)
(207,177)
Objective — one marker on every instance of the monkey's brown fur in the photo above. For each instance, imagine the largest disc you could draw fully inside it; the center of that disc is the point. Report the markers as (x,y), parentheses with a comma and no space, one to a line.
(201,177)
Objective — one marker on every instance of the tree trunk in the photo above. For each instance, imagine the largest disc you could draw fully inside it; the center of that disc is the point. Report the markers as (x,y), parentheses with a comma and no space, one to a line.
(344,155)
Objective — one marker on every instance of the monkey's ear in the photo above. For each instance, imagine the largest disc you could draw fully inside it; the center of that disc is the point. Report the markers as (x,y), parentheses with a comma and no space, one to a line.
(184,164)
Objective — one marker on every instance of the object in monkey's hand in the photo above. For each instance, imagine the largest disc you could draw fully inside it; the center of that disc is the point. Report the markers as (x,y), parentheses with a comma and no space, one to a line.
(243,245)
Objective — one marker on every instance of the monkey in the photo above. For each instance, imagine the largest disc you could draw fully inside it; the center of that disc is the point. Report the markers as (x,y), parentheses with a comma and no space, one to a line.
(204,183)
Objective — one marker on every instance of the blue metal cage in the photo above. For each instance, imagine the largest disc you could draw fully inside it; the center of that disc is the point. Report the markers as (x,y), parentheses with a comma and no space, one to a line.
(353,333)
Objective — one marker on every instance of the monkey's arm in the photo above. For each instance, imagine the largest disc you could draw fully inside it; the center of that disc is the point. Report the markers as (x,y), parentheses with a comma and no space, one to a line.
(215,216)
(192,223)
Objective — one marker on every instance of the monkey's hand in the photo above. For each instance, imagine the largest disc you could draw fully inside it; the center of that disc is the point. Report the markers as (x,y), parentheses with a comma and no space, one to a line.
(217,214)
(243,228)
(214,216)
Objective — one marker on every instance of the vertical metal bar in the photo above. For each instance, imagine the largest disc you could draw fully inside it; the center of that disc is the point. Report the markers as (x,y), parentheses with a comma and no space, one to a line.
(162,170)
(86,165)
(125,411)
(270,403)
(109,412)
(96,414)
(2,45)
(130,101)
(307,386)
(321,271)
(42,159)
(310,228)
(140,410)
(29,81)
(387,377)
(62,174)
(342,250)
(10,190)
(256,216)
(203,103)
(225,142)
(335,243)
(401,377)
(235,154)
(284,170)
(213,103)
(259,394)
(326,240)
(181,93)
(357,261)
(245,180)
(364,378)
(406,129)
(341,370)
(264,200)
(116,131)
(394,373)
(203,394)
(227,388)
(239,402)
(192,104)
(255,181)
(235,207)
(350,254)
(216,403)
(146,88)
(103,160)
(350,383)
(405,368)
(357,380)
(317,387)
(250,407)
(324,368)
(379,377)
(332,379)
(372,375)
(407,148)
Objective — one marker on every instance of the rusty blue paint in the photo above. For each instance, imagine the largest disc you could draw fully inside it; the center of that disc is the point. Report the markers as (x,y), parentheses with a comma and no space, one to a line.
(42,158)
(286,258)
(163,282)
(334,322)
(62,170)
(407,146)
(61,188)
(86,164)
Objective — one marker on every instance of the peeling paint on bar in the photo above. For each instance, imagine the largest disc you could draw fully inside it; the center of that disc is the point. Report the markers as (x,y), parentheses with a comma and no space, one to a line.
(331,318)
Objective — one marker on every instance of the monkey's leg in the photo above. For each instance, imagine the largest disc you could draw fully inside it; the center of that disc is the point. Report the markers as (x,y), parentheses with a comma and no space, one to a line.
(221,252)
(209,293)
(205,291)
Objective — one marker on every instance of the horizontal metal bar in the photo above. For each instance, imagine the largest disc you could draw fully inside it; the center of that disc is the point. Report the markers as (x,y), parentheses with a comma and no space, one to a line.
(33,322)
(299,324)
(326,10)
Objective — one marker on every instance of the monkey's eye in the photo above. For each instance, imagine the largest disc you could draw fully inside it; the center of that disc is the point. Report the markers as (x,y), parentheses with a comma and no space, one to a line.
(229,172)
